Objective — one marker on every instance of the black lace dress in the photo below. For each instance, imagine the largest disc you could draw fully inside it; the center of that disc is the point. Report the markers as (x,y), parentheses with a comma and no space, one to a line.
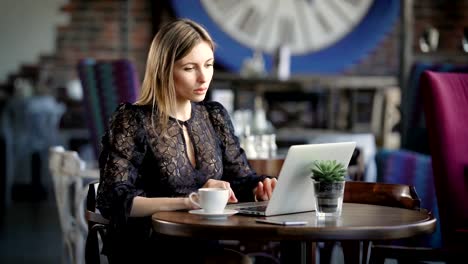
(138,159)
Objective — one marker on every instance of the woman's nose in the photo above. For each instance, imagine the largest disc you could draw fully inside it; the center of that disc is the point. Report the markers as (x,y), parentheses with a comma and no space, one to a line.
(203,75)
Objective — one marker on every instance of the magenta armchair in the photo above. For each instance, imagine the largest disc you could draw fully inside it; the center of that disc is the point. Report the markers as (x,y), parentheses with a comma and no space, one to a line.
(445,103)
(445,97)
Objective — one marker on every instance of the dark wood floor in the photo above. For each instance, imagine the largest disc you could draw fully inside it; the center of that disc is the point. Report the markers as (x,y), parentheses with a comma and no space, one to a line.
(30,233)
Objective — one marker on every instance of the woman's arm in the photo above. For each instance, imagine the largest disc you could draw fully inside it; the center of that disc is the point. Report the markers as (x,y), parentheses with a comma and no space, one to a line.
(144,206)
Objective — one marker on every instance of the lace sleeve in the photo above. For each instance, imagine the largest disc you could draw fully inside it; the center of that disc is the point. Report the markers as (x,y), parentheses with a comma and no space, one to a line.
(123,150)
(236,168)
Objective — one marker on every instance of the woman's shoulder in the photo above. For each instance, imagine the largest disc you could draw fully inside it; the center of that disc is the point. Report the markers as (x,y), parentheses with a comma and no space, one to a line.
(216,112)
(213,107)
(129,108)
(129,111)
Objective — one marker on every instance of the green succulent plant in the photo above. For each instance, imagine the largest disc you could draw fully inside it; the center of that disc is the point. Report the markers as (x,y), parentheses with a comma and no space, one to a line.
(328,171)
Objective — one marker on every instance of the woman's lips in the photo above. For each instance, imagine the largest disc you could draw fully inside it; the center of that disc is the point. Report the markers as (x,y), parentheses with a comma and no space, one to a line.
(200,91)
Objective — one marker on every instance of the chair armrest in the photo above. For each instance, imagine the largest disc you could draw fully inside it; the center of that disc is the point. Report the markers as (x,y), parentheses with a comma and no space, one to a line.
(96,218)
(388,194)
(411,254)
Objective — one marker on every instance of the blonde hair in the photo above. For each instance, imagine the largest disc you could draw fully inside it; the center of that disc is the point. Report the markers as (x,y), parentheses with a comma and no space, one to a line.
(172,42)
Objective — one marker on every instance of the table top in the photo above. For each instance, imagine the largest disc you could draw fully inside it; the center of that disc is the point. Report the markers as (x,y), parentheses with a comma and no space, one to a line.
(357,222)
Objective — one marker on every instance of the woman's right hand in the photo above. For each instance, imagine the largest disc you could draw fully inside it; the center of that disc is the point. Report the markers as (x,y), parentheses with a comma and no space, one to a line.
(221,184)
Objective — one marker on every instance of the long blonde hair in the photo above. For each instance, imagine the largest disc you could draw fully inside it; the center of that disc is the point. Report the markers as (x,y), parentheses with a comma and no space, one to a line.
(172,42)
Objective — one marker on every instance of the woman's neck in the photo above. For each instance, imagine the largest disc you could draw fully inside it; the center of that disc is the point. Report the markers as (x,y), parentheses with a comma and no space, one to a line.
(183,111)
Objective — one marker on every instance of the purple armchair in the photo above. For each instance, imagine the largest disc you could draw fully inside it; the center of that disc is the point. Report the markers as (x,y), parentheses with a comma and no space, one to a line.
(445,97)
(445,103)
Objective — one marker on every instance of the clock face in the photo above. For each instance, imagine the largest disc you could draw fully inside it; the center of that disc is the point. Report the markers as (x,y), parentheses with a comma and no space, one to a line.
(304,26)
(324,36)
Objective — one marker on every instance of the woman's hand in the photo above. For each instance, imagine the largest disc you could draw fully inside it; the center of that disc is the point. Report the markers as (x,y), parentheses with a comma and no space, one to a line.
(221,184)
(264,189)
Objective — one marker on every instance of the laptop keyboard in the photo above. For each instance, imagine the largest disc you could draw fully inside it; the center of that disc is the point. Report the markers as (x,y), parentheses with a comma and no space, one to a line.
(242,206)
(255,208)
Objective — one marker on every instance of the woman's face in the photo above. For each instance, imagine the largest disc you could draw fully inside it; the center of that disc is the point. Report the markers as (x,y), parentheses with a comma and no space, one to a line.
(193,73)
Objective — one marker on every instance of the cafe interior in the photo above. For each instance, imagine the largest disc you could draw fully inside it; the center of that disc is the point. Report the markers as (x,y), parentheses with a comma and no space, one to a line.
(391,76)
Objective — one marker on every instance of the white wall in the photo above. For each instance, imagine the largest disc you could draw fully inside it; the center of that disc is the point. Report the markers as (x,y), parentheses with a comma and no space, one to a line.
(27,30)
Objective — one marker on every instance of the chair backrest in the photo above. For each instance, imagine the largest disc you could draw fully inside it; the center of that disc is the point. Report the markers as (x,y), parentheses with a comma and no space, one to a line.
(415,169)
(445,97)
(70,175)
(106,84)
(414,129)
(65,167)
(270,167)
(387,194)
(97,226)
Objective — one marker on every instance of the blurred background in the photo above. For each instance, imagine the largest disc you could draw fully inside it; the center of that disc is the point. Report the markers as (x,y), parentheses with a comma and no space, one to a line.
(289,72)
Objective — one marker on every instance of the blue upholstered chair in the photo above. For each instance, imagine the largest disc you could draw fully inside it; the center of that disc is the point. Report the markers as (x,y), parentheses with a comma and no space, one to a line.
(415,169)
(106,84)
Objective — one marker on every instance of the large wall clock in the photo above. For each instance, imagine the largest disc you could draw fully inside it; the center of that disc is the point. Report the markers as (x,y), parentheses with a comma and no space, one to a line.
(324,36)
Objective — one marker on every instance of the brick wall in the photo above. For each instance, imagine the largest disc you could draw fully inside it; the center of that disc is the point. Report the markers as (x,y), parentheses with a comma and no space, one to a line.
(103,29)
(450,18)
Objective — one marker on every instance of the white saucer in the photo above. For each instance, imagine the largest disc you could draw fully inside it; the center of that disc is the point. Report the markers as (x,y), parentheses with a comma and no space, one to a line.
(226,213)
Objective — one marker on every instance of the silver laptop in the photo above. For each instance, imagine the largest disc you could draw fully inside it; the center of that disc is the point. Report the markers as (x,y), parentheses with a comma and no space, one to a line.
(294,191)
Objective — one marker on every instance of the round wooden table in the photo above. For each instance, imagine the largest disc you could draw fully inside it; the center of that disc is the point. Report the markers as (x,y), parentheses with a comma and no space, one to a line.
(357,222)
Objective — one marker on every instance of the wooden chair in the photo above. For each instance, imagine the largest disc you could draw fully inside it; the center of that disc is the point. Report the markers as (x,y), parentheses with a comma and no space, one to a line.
(385,194)
(97,227)
(69,173)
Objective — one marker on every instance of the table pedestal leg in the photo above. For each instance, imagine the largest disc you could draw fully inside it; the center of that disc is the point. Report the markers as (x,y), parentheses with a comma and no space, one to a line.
(297,252)
(352,252)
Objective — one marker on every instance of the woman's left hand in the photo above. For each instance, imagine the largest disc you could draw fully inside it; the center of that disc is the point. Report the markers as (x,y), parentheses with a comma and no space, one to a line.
(264,189)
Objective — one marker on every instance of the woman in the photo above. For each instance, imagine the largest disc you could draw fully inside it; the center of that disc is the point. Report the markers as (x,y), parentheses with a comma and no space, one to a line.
(167,145)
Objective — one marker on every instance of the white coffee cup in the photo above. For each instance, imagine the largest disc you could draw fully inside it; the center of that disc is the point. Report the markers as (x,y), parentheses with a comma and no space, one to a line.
(211,200)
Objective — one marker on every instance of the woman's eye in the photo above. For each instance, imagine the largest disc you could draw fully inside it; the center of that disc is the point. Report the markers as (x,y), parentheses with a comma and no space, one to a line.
(209,65)
(188,69)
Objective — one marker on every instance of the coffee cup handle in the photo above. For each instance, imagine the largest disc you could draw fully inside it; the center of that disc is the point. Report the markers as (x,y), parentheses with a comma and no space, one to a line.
(192,200)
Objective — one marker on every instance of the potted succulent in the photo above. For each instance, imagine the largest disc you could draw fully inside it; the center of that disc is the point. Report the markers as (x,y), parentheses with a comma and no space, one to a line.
(329,183)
